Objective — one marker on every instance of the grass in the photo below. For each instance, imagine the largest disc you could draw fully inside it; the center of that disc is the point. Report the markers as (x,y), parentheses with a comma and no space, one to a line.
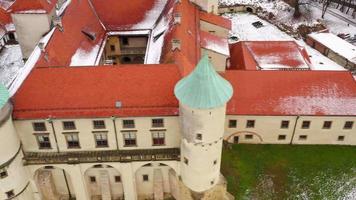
(290,172)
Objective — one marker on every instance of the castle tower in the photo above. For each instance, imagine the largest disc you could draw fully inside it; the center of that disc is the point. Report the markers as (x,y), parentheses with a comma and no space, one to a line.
(14,181)
(202,96)
(210,6)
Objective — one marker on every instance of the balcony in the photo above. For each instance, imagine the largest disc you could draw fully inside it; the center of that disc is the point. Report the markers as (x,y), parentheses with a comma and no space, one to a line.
(35,158)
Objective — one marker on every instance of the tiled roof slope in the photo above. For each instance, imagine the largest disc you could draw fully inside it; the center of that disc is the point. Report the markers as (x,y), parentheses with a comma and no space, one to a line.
(292,93)
(61,92)
(27,5)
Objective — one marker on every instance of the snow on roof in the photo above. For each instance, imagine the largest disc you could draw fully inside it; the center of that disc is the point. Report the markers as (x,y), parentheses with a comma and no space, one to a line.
(33,6)
(38,11)
(10,27)
(6,4)
(214,43)
(151,16)
(30,63)
(292,93)
(336,44)
(84,57)
(2,32)
(61,10)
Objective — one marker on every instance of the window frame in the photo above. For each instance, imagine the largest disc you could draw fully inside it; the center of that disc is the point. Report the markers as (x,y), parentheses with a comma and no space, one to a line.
(248,137)
(348,127)
(283,125)
(303,137)
(92,179)
(327,125)
(157,125)
(117,179)
(250,123)
(129,125)
(160,140)
(34,126)
(145,178)
(67,135)
(282,137)
(66,128)
(130,138)
(3,171)
(104,141)
(101,126)
(341,138)
(10,194)
(44,142)
(303,124)
(232,123)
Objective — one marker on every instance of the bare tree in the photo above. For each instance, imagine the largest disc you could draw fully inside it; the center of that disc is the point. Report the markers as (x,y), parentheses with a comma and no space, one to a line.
(297,5)
(326,4)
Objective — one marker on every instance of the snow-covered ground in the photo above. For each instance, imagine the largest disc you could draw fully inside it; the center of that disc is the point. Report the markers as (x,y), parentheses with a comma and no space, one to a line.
(11,64)
(243,29)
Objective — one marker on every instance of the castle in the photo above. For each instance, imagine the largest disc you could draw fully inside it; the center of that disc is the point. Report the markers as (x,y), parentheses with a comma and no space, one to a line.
(132,100)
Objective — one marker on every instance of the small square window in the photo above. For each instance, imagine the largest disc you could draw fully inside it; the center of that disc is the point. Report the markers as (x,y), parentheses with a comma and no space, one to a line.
(215,162)
(282,137)
(39,126)
(248,137)
(212,182)
(199,136)
(117,179)
(129,138)
(348,125)
(145,177)
(327,124)
(341,138)
(157,123)
(302,137)
(186,161)
(10,194)
(101,139)
(72,140)
(99,124)
(68,125)
(232,123)
(285,124)
(128,123)
(92,179)
(250,124)
(158,138)
(305,124)
(3,173)
(125,41)
(112,47)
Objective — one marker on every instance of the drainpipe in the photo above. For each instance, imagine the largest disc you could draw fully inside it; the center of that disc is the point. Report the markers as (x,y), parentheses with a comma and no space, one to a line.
(295,127)
(113,118)
(54,133)
(66,180)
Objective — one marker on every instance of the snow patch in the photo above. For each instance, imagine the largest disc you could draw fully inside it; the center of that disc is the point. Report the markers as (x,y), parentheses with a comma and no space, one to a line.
(38,11)
(151,16)
(85,58)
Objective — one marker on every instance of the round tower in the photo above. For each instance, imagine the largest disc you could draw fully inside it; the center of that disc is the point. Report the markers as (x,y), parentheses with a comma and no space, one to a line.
(202,99)
(14,181)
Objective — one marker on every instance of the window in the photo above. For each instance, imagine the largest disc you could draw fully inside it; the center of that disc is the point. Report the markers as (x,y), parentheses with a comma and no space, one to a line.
(99,124)
(250,124)
(145,177)
(3,173)
(68,125)
(305,124)
(236,139)
(129,138)
(285,124)
(232,123)
(199,136)
(92,179)
(72,140)
(348,125)
(302,137)
(215,162)
(341,138)
(125,41)
(117,179)
(128,123)
(327,124)
(186,161)
(282,137)
(101,139)
(43,141)
(157,123)
(158,137)
(10,194)
(211,182)
(112,47)
(39,126)
(248,136)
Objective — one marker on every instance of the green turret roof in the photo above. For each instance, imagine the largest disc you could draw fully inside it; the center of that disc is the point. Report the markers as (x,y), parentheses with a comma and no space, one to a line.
(4,95)
(203,88)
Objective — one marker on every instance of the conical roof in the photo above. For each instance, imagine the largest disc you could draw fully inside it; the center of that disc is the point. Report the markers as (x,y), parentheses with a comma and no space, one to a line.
(4,95)
(203,88)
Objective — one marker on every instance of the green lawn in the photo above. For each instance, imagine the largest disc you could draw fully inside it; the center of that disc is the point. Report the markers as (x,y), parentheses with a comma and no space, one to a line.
(290,172)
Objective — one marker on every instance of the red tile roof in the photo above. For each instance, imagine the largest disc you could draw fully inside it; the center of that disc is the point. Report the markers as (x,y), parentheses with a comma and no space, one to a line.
(214,43)
(5,17)
(292,93)
(130,13)
(64,44)
(266,54)
(26,5)
(216,20)
(70,92)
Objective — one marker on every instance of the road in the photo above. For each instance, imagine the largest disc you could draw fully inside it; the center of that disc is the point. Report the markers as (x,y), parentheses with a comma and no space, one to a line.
(335,14)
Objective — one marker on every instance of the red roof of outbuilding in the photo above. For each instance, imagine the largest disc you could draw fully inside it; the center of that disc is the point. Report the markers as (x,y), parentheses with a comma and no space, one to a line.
(5,17)
(268,55)
(62,92)
(292,93)
(215,19)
